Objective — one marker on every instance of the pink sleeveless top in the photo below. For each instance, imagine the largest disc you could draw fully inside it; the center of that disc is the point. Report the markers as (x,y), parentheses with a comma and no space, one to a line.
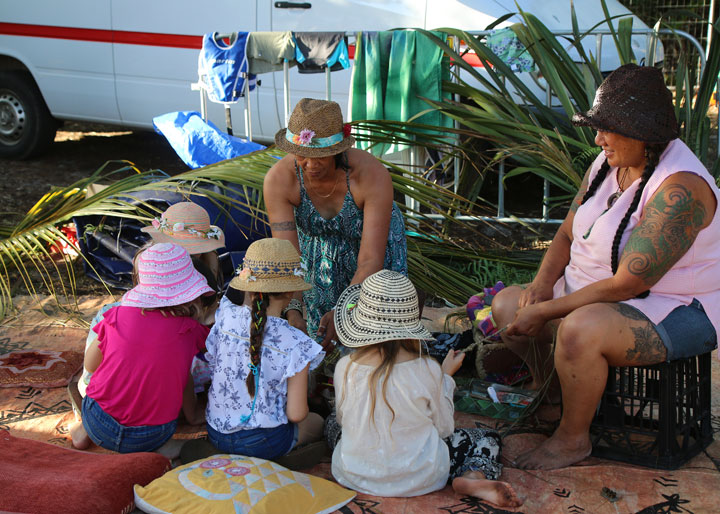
(695,275)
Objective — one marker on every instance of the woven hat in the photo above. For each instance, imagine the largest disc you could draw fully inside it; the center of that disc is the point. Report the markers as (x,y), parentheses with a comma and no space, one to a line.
(634,102)
(188,225)
(315,129)
(271,265)
(383,308)
(166,277)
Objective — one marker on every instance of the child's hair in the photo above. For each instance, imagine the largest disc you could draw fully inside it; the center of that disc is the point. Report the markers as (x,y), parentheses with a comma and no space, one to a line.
(388,353)
(258,318)
(190,309)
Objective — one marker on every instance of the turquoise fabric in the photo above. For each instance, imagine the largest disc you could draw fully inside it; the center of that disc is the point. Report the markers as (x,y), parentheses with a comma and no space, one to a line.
(505,44)
(329,249)
(392,70)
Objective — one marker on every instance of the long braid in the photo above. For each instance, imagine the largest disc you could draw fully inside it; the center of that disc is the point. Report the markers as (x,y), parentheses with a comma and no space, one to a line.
(258,319)
(652,155)
(601,174)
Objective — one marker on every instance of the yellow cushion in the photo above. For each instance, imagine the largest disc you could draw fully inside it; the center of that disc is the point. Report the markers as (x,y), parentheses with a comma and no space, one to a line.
(234,483)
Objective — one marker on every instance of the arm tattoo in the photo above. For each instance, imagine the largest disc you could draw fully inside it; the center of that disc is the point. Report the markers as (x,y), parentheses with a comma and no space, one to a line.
(647,348)
(283,226)
(578,197)
(671,223)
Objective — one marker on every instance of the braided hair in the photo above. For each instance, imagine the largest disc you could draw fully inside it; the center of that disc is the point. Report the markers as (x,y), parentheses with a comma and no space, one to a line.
(260,302)
(652,157)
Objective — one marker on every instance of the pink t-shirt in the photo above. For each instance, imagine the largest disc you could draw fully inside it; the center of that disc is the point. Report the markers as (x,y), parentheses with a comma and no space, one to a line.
(695,275)
(145,365)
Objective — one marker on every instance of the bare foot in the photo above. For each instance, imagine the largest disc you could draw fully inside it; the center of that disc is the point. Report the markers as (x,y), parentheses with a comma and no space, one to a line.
(556,452)
(80,439)
(500,493)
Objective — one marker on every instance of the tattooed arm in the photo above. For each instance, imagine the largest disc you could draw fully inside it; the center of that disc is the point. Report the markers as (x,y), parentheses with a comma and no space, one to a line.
(281,192)
(670,222)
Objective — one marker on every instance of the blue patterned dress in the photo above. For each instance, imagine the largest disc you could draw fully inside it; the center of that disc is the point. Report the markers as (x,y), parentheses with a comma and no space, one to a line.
(330,250)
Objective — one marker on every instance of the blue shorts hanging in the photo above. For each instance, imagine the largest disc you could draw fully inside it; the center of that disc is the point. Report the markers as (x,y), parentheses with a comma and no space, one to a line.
(223,69)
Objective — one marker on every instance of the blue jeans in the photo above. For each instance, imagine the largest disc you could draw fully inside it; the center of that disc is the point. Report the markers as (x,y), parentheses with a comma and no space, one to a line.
(111,435)
(687,331)
(266,443)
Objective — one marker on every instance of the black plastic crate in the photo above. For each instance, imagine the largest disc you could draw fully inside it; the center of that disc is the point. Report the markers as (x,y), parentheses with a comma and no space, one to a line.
(656,416)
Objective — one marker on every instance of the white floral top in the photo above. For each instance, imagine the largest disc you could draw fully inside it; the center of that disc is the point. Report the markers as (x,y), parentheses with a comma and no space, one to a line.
(285,352)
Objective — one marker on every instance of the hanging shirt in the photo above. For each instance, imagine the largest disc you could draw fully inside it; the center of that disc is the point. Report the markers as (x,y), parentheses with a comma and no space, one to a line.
(267,51)
(316,51)
(223,69)
(505,44)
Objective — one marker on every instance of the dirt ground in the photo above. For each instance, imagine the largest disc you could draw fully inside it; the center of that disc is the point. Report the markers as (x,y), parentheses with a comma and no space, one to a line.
(79,150)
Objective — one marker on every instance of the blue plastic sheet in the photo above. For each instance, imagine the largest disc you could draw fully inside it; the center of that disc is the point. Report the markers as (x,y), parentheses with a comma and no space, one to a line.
(198,142)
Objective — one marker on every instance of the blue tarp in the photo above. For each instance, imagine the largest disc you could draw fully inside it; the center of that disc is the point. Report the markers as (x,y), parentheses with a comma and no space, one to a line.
(198,142)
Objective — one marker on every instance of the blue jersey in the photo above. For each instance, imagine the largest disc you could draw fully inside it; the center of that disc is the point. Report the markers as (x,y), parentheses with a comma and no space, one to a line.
(223,69)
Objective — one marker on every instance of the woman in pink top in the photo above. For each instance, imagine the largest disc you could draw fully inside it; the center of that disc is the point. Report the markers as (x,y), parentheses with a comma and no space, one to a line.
(632,276)
(141,359)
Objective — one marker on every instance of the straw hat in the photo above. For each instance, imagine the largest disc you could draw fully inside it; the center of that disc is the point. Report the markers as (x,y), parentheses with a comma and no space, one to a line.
(383,308)
(271,265)
(634,102)
(188,225)
(315,129)
(166,277)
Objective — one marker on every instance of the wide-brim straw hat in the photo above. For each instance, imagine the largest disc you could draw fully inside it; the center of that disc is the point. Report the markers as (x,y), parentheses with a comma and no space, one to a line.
(383,308)
(166,277)
(315,129)
(188,225)
(634,102)
(271,265)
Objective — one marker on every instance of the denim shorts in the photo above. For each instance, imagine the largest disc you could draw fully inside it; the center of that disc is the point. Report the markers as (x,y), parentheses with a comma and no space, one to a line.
(266,443)
(111,435)
(687,331)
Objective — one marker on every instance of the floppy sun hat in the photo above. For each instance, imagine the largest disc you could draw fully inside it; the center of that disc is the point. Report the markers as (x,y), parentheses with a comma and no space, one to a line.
(383,308)
(271,265)
(188,225)
(634,102)
(315,129)
(166,277)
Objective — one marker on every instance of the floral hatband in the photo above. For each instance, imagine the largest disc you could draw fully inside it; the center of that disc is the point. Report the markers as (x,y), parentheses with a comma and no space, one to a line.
(307,139)
(162,224)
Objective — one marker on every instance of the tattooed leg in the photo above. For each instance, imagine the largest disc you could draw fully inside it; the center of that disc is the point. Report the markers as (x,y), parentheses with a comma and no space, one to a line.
(589,339)
(647,347)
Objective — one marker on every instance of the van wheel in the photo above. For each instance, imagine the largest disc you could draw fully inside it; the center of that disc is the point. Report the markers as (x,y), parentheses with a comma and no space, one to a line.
(26,126)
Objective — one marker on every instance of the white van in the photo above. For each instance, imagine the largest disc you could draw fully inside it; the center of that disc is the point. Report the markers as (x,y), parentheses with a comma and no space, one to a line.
(126,61)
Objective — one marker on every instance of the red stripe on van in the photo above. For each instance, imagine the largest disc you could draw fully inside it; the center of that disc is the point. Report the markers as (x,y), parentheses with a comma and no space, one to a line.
(102,36)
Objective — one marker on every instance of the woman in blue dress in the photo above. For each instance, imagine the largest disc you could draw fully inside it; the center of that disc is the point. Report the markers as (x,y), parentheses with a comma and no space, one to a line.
(335,204)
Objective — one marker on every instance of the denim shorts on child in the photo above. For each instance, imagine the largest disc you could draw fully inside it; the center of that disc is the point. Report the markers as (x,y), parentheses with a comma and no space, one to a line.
(111,435)
(687,331)
(266,443)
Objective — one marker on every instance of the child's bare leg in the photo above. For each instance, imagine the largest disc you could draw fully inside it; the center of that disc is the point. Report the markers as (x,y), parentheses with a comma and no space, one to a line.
(80,439)
(474,483)
(310,429)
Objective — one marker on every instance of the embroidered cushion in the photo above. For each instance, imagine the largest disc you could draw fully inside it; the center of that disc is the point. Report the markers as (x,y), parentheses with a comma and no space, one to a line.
(234,483)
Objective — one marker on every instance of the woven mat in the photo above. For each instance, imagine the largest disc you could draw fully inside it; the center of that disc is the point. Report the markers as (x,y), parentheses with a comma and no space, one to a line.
(45,414)
(39,368)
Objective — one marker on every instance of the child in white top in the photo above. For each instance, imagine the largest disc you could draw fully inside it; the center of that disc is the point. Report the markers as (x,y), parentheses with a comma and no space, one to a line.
(257,402)
(395,406)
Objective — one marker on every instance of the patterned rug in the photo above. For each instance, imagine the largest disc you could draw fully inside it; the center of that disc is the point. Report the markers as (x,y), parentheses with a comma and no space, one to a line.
(593,486)
(39,368)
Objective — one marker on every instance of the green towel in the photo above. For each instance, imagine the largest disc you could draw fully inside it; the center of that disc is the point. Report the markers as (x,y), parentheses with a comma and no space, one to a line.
(392,69)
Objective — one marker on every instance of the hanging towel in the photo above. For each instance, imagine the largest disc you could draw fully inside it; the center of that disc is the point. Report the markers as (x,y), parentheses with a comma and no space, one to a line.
(199,143)
(223,69)
(266,51)
(505,44)
(315,51)
(392,70)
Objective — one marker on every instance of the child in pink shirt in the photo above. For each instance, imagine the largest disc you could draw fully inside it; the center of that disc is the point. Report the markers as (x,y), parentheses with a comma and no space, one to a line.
(141,360)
